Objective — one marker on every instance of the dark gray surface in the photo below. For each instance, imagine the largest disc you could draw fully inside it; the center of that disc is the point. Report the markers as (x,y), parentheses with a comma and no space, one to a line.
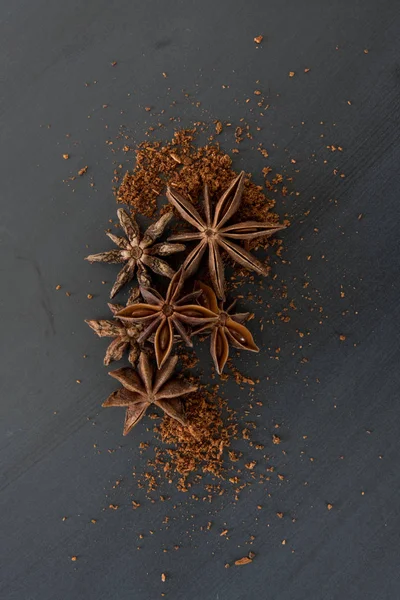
(345,399)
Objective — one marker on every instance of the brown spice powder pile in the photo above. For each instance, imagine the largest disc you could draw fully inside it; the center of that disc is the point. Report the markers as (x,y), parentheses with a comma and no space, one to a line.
(200,445)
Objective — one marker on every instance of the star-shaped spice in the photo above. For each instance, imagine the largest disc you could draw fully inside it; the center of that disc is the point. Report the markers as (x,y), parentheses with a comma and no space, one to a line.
(138,252)
(142,388)
(124,337)
(227,330)
(215,235)
(164,316)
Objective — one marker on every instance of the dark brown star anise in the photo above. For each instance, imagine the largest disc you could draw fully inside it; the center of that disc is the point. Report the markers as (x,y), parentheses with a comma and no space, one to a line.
(227,330)
(142,388)
(124,337)
(138,253)
(163,316)
(215,234)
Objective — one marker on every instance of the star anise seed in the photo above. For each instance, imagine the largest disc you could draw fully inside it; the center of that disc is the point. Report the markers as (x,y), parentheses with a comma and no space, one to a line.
(163,317)
(227,330)
(142,388)
(215,235)
(138,253)
(124,337)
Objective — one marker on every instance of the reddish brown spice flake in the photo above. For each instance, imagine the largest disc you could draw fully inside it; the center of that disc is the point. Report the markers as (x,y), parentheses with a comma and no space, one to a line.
(243,561)
(82,171)
(276,439)
(258,39)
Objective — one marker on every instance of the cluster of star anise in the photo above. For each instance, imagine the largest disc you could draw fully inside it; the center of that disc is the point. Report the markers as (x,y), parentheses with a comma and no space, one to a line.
(163,320)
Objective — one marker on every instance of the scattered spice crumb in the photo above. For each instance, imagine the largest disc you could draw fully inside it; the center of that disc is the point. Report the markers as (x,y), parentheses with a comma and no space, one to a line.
(243,561)
(258,39)
(82,171)
(65,156)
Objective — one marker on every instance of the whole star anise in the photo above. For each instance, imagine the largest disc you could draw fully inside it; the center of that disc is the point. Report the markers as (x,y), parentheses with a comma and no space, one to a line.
(214,235)
(142,388)
(138,253)
(227,330)
(163,316)
(124,337)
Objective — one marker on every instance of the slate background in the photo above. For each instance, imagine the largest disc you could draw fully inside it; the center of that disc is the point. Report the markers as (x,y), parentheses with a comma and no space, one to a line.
(345,399)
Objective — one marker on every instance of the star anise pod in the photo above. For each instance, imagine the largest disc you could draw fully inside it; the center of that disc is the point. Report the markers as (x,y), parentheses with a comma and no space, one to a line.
(227,330)
(216,235)
(124,337)
(142,388)
(166,316)
(138,252)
